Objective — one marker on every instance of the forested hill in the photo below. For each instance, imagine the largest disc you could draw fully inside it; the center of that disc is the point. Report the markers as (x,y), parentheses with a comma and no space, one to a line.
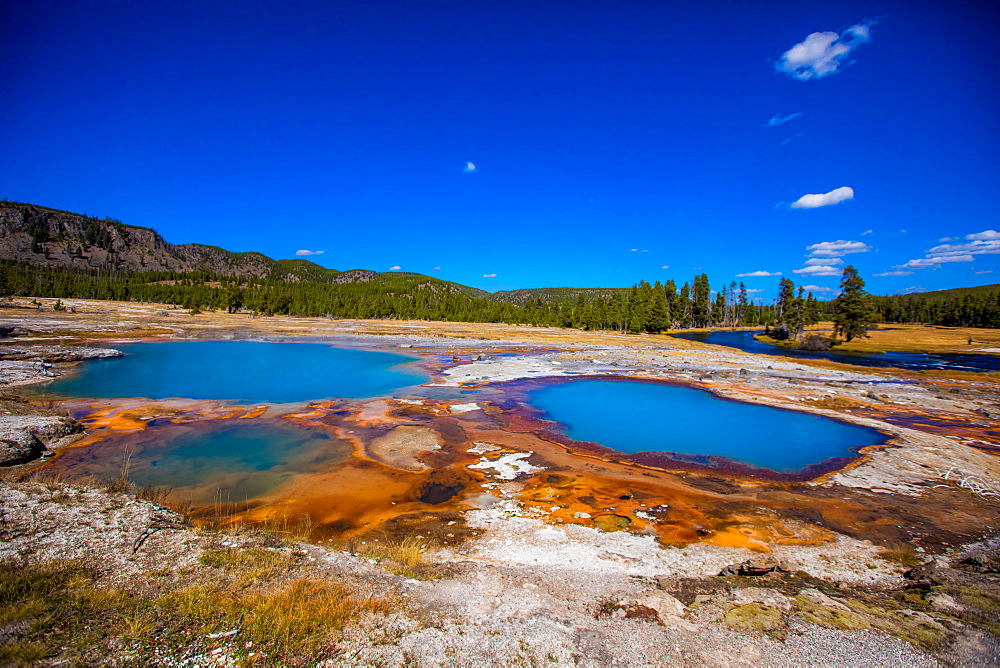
(551,295)
(955,293)
(44,236)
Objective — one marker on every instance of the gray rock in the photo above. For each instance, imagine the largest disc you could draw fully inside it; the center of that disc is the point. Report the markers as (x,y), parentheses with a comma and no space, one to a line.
(25,437)
(769,597)
(819,598)
(755,566)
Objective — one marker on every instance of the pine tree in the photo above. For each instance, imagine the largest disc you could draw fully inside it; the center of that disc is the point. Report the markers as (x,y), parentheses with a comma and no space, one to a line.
(701,302)
(853,311)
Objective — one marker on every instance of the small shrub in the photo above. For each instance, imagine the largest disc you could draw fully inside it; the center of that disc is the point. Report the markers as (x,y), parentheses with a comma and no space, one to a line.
(754,617)
(902,557)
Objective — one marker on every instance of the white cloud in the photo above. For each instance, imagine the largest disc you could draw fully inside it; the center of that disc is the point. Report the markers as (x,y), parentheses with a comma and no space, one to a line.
(755,290)
(925,262)
(489,275)
(818,270)
(822,53)
(894,273)
(814,201)
(470,168)
(818,288)
(309,252)
(778,119)
(948,239)
(634,250)
(986,242)
(837,248)
(666,266)
(396,268)
(436,268)
(823,260)
(866,232)
(759,273)
(984,271)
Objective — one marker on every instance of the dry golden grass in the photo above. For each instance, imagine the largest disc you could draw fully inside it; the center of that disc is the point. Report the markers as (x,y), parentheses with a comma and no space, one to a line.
(923,338)
(406,556)
(58,610)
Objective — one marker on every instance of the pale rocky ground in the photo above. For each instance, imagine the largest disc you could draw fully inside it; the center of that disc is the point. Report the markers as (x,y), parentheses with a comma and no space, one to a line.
(526,591)
(511,601)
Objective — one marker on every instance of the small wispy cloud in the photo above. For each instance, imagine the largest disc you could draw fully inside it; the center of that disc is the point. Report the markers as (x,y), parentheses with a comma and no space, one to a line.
(818,288)
(818,270)
(984,271)
(778,120)
(753,291)
(823,260)
(837,248)
(489,275)
(866,233)
(898,272)
(814,201)
(633,250)
(946,239)
(436,268)
(666,266)
(470,168)
(761,273)
(309,252)
(395,268)
(788,140)
(823,53)
(925,262)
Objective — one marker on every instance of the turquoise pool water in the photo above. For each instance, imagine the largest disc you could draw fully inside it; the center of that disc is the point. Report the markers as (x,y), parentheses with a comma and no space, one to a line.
(239,371)
(224,461)
(632,417)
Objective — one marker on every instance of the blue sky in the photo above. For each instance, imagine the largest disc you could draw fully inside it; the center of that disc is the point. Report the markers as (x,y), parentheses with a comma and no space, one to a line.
(524,144)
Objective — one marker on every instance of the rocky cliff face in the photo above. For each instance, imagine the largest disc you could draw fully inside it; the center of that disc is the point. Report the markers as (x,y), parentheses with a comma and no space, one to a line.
(41,235)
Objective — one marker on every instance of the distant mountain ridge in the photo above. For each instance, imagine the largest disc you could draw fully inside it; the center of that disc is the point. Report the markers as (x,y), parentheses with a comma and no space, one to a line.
(45,236)
(51,237)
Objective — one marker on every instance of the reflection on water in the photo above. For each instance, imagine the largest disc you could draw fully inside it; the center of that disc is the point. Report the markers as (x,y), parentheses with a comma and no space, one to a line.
(633,416)
(743,340)
(239,371)
(209,461)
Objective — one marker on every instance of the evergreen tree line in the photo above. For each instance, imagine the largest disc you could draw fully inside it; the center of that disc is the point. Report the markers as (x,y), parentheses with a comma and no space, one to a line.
(972,309)
(644,307)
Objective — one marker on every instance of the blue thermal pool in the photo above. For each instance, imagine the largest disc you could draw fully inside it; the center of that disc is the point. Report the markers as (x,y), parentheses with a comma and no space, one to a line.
(217,461)
(240,371)
(635,416)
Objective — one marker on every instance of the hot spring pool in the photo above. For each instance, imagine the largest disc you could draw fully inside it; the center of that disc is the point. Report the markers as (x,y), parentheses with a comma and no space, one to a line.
(634,416)
(239,371)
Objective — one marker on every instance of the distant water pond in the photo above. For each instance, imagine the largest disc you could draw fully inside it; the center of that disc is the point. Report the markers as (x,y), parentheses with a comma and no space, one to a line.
(218,461)
(635,416)
(744,340)
(239,371)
